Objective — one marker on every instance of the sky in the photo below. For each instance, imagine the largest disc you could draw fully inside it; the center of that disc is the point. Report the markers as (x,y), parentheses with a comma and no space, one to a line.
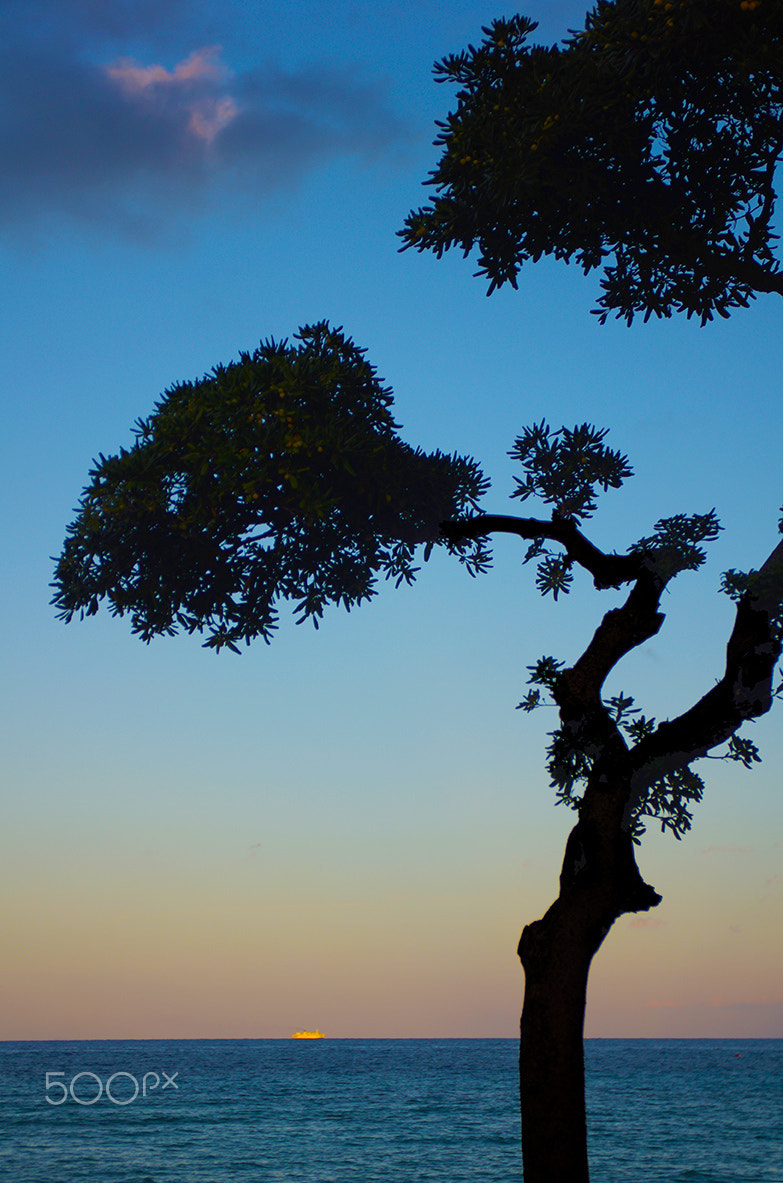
(346,829)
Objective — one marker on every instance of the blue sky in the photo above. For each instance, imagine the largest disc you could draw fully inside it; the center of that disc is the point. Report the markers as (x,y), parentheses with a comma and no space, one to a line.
(346,829)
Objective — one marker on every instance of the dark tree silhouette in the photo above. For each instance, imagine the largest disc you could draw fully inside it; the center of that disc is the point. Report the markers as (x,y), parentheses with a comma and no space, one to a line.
(645,145)
(280,477)
(277,477)
(638,147)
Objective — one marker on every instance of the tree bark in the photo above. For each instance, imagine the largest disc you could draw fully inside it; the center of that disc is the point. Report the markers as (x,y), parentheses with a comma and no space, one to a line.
(599,881)
(551,1051)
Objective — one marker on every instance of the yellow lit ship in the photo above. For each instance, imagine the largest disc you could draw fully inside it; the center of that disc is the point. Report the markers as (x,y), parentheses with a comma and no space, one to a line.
(308,1035)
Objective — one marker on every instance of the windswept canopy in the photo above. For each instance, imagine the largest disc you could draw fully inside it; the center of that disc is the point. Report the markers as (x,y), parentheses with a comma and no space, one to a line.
(279,476)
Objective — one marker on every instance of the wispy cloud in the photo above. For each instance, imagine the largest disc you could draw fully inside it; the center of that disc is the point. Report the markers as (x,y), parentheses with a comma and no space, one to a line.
(109,137)
(202,65)
(191,85)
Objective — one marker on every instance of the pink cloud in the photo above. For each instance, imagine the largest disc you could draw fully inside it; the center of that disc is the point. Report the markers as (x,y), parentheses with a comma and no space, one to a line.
(645,922)
(191,84)
(200,66)
(128,143)
(209,117)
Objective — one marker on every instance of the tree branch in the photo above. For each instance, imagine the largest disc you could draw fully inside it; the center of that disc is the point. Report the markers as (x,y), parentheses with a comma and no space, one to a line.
(583,714)
(744,692)
(621,630)
(757,277)
(608,570)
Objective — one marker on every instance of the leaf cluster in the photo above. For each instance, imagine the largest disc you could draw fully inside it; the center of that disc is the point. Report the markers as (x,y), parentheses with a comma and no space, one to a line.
(278,477)
(646,145)
(572,752)
(681,535)
(564,468)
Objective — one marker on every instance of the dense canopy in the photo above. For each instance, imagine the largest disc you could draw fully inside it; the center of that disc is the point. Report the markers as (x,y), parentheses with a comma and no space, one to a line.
(646,145)
(279,476)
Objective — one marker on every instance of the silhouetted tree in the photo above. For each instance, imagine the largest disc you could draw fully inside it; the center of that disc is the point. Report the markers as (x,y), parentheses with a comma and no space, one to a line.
(646,145)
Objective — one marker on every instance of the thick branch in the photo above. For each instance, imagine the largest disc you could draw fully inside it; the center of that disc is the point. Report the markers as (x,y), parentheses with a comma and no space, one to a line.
(607,570)
(621,630)
(582,712)
(744,692)
(757,277)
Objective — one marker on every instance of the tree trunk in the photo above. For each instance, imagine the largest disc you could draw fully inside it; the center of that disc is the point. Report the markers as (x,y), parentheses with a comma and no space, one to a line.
(556,953)
(556,958)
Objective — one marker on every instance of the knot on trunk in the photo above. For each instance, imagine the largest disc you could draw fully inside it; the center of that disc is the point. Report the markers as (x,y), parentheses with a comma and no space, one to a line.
(606,865)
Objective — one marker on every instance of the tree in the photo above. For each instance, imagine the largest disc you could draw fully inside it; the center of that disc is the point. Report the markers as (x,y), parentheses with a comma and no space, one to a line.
(614,784)
(647,146)
(280,477)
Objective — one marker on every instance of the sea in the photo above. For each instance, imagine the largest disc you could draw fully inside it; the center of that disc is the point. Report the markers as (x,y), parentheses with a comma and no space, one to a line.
(376,1111)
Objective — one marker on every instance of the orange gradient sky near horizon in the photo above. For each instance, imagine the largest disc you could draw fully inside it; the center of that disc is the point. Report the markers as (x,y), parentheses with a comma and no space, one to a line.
(214,899)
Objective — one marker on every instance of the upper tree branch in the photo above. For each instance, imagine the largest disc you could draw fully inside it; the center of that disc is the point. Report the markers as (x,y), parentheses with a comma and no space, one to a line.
(608,570)
(744,692)
(621,630)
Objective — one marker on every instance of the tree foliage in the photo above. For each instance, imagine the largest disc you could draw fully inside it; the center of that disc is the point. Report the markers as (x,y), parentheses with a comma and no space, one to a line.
(564,467)
(645,145)
(279,476)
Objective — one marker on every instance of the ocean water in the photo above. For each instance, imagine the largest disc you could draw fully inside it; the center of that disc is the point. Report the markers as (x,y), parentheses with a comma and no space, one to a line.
(372,1111)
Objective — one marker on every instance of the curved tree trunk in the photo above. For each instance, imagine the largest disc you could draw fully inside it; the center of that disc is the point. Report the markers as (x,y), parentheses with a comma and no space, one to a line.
(599,882)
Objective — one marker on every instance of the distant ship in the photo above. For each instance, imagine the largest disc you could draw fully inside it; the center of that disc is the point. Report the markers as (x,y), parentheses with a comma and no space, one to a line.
(308,1035)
